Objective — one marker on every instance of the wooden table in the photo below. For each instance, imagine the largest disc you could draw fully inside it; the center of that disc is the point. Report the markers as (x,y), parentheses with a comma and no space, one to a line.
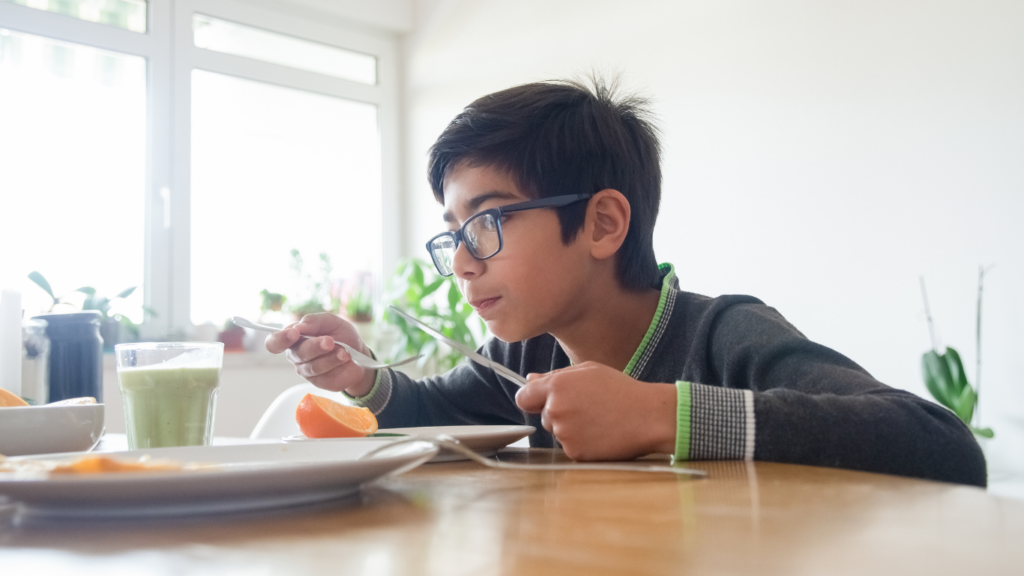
(461,518)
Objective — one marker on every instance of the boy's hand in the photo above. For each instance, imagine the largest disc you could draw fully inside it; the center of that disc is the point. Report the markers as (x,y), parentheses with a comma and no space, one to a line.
(318,359)
(599,413)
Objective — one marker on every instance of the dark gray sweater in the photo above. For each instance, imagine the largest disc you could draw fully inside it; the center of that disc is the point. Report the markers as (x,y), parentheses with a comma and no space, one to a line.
(760,388)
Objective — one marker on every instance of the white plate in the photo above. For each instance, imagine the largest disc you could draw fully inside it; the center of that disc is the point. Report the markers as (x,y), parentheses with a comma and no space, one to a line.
(48,429)
(485,440)
(245,478)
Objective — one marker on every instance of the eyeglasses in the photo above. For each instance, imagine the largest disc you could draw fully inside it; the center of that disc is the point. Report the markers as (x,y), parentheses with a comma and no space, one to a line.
(482,232)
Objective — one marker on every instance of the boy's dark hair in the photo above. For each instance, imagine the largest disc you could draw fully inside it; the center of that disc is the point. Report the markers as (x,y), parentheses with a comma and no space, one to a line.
(566,137)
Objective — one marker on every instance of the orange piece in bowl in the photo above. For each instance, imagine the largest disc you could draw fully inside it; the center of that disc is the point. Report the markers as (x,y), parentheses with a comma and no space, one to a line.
(9,399)
(320,417)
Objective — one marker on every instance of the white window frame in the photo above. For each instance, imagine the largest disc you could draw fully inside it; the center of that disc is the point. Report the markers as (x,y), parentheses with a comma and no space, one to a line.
(171,56)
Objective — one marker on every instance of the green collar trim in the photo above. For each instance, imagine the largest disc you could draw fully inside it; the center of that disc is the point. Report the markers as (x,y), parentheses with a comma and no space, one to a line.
(667,273)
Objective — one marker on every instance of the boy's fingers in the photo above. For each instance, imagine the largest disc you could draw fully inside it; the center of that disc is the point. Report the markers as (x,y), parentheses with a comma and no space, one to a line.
(534,395)
(278,342)
(338,378)
(311,348)
(322,364)
(317,324)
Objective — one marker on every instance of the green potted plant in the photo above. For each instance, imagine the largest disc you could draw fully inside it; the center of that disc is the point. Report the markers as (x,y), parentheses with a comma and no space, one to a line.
(357,294)
(417,289)
(359,306)
(944,373)
(316,289)
(271,301)
(114,328)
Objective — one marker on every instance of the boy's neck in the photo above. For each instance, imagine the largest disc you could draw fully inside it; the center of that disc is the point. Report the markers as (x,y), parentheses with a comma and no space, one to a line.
(611,326)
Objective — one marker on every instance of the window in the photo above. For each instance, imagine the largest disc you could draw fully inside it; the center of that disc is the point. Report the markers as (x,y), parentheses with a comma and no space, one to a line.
(276,169)
(191,163)
(73,165)
(127,14)
(230,38)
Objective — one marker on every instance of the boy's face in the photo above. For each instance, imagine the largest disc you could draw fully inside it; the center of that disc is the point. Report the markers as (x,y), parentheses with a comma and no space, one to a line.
(533,284)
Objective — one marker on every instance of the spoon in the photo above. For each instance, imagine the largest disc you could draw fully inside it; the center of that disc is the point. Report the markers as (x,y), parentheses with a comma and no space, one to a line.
(358,357)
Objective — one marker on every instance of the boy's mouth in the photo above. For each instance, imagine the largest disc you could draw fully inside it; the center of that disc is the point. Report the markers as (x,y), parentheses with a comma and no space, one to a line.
(483,304)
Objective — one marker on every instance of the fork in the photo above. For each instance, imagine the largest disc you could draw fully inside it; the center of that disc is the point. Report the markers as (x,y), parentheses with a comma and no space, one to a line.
(450,443)
(358,357)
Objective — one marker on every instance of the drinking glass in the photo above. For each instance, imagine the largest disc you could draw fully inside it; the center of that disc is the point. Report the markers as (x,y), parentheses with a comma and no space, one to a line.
(169,391)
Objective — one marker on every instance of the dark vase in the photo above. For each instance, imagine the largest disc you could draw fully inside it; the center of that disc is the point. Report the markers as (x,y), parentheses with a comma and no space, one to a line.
(76,355)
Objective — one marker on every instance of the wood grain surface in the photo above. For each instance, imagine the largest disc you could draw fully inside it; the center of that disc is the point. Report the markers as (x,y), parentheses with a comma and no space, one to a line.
(461,518)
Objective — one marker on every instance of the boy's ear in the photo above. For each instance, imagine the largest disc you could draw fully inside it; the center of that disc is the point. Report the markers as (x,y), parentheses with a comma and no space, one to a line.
(607,222)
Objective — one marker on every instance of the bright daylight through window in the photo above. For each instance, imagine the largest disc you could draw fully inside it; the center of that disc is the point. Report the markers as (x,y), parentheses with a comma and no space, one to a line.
(201,168)
(276,169)
(127,14)
(72,168)
(230,38)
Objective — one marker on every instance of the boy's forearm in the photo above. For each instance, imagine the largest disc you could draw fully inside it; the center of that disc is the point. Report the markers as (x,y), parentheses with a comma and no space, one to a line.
(888,431)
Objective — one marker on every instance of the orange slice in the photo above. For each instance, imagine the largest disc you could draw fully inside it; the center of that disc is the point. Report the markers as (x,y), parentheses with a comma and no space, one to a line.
(100,464)
(9,399)
(319,417)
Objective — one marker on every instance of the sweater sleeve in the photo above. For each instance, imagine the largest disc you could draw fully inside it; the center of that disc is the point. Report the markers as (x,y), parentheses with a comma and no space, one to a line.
(713,423)
(787,399)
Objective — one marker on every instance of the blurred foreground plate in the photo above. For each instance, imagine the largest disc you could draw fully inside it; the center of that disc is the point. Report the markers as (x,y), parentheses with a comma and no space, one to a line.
(248,477)
(484,440)
(48,429)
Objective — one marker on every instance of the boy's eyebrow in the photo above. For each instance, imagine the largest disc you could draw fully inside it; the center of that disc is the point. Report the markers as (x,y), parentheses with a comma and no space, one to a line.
(474,203)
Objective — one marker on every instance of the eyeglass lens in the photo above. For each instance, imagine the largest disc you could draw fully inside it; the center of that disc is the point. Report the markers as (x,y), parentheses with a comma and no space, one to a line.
(442,250)
(480,235)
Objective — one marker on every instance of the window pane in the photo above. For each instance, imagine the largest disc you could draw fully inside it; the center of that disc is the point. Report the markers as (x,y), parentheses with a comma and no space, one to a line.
(72,168)
(276,169)
(240,40)
(127,14)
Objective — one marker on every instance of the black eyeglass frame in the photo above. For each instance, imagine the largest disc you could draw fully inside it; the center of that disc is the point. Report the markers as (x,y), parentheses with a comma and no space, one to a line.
(458,237)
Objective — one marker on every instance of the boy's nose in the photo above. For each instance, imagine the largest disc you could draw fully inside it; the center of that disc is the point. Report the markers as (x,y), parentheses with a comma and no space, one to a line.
(464,265)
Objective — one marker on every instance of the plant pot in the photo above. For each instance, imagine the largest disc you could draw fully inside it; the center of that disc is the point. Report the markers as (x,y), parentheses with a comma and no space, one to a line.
(233,340)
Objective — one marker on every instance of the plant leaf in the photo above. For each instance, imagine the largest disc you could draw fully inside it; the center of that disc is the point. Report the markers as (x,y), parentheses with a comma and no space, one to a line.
(42,283)
(964,404)
(937,378)
(453,296)
(433,286)
(85,290)
(983,432)
(126,292)
(956,371)
(416,279)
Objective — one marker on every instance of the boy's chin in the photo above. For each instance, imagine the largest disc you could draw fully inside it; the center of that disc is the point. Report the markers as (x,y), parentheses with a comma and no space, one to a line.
(508,333)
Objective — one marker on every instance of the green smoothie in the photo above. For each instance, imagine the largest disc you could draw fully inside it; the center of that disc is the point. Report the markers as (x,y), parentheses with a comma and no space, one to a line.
(168,406)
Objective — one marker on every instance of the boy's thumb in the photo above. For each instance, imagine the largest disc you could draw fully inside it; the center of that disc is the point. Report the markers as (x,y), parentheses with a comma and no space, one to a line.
(532,397)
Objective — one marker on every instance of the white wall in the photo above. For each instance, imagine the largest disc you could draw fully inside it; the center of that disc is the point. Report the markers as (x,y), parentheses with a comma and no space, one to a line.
(818,155)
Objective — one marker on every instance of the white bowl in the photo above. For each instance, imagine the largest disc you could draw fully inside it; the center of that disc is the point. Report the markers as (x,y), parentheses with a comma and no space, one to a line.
(47,429)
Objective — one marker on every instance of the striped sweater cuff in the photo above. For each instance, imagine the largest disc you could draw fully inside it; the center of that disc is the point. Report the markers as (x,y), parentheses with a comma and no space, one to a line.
(379,395)
(713,423)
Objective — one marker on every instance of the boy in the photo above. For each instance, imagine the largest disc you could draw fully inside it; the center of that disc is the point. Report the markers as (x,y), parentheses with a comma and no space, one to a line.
(551,191)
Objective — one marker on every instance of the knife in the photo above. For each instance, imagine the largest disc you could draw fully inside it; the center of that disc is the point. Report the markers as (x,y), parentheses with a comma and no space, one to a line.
(472,355)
